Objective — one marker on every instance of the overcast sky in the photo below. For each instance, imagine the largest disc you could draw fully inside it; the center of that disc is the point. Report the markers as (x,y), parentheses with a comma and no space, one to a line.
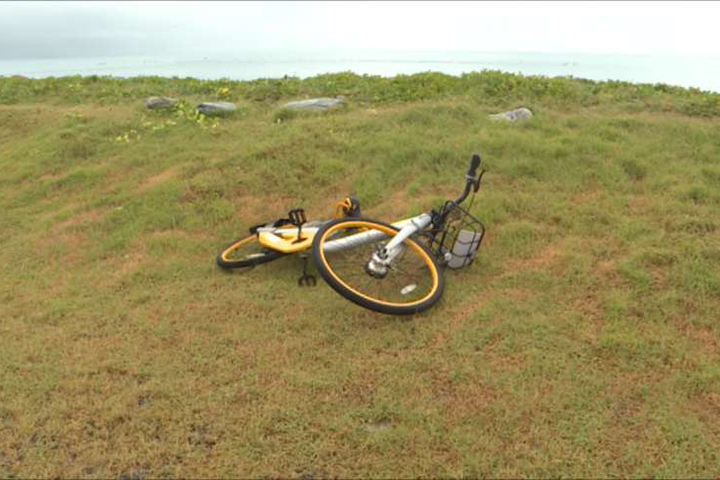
(57,29)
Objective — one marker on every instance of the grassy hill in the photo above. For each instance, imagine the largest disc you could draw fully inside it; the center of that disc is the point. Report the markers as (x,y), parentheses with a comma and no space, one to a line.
(584,342)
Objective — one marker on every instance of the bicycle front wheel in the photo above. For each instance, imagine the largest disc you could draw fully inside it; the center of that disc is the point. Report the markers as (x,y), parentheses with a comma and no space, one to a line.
(246,252)
(411,283)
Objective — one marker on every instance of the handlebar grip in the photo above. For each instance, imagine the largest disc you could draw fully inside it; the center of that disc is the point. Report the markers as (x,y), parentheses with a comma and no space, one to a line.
(474,164)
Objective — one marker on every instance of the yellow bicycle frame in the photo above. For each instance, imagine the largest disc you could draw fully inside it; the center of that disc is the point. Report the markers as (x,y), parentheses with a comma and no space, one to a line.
(285,240)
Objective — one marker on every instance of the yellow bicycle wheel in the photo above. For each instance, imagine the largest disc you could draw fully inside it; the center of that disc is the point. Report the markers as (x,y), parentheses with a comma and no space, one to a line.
(246,252)
(411,283)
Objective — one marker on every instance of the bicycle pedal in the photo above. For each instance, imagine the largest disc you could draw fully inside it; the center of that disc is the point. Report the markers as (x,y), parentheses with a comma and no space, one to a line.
(297,217)
(307,281)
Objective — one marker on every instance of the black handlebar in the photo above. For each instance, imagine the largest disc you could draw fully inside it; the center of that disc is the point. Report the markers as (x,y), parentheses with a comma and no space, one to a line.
(474,164)
(472,182)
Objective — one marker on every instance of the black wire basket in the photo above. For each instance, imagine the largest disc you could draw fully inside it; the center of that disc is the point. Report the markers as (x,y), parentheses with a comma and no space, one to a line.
(458,242)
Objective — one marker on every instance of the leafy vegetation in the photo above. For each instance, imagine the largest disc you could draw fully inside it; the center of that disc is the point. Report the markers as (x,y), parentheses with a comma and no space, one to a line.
(489,86)
(584,341)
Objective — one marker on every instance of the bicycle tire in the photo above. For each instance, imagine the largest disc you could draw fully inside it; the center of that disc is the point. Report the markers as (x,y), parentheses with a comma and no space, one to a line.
(338,276)
(256,254)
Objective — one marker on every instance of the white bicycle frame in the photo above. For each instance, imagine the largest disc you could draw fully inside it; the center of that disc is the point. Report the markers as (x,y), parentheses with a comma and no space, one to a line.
(407,228)
(392,249)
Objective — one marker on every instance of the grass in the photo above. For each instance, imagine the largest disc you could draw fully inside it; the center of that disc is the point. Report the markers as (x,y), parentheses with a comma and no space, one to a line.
(584,341)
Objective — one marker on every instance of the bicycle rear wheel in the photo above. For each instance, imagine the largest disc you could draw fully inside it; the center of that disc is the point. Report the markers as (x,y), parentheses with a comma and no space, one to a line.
(412,283)
(246,252)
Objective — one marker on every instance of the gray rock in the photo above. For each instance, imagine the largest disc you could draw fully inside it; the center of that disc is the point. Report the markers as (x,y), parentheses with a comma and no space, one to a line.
(317,104)
(518,115)
(216,108)
(161,102)
(380,426)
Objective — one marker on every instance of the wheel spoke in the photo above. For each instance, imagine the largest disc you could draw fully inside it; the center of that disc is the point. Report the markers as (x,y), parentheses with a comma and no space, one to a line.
(408,269)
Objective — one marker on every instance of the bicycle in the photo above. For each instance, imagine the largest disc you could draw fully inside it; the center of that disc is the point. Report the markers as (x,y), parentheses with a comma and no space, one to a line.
(394,268)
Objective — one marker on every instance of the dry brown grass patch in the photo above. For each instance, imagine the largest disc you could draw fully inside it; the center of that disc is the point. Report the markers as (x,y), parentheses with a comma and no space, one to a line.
(89,216)
(151,182)
(546,257)
(393,207)
(702,339)
(251,209)
(584,197)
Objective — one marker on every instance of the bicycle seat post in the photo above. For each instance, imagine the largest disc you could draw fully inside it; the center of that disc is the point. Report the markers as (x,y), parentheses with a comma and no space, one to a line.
(298,218)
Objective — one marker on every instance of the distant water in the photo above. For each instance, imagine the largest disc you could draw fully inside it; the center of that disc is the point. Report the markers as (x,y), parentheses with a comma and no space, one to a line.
(699,72)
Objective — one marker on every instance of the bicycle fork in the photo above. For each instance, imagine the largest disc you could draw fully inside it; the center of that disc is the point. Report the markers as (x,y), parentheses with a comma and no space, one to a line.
(381,260)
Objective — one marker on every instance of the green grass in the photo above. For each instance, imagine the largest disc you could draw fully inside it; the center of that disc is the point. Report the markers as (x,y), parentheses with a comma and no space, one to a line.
(584,341)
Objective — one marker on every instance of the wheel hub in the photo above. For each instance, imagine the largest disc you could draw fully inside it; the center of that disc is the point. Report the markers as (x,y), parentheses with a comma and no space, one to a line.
(376,269)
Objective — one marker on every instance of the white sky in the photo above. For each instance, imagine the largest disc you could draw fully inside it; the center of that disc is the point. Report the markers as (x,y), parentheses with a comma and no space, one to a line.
(39,29)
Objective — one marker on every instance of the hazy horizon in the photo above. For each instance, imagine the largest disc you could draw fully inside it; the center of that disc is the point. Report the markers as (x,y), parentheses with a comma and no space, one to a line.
(347,51)
(652,42)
